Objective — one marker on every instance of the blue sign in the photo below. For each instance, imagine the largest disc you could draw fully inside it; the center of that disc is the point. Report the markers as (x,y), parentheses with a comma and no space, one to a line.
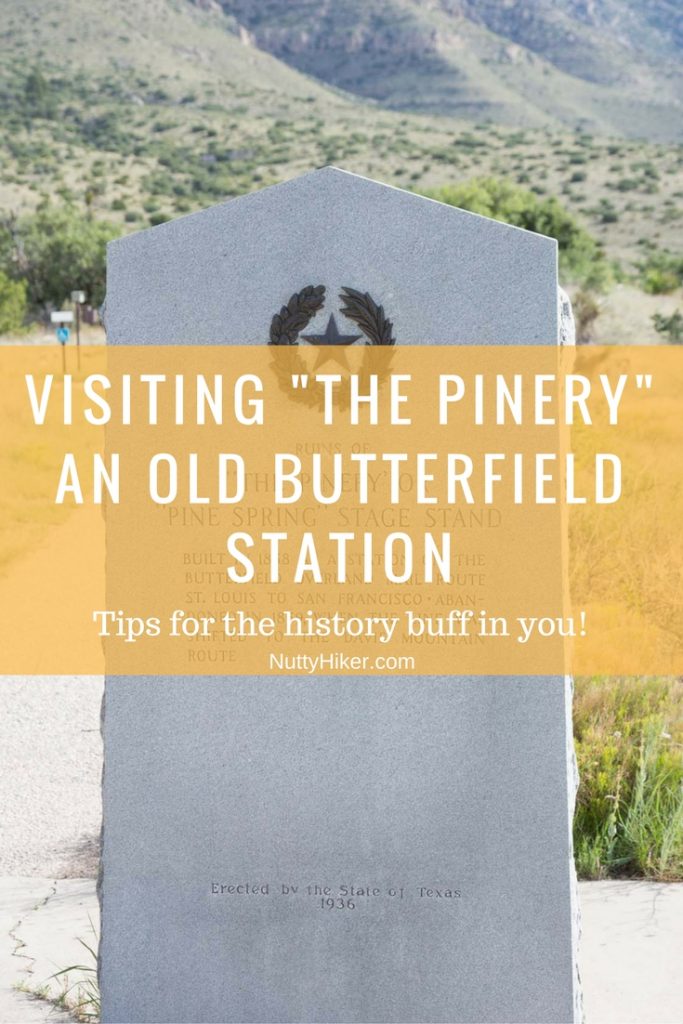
(63,335)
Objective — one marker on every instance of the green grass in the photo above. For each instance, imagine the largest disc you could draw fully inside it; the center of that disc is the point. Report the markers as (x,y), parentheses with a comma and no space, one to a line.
(629,746)
(81,998)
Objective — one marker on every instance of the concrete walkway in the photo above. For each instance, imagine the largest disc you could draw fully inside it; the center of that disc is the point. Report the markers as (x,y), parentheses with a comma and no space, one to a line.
(630,952)
(50,773)
(41,920)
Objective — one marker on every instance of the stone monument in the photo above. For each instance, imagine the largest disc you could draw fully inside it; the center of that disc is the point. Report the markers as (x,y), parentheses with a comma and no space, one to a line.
(337,849)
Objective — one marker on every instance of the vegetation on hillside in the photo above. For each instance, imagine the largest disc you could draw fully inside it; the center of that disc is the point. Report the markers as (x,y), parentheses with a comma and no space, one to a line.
(137,145)
(160,109)
(661,272)
(670,327)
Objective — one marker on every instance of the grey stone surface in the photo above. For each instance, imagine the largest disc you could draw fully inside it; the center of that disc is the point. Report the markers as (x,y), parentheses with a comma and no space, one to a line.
(443,275)
(567,334)
(439,783)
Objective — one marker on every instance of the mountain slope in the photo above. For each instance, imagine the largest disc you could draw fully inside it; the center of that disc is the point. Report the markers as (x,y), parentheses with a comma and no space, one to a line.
(167,87)
(171,40)
(142,110)
(606,66)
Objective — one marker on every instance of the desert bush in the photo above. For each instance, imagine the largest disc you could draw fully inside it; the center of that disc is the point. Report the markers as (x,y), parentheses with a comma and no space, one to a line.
(626,184)
(629,814)
(670,326)
(39,97)
(661,272)
(657,281)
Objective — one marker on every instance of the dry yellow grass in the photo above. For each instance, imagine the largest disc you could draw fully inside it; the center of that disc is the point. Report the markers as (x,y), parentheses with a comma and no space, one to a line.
(626,560)
(30,458)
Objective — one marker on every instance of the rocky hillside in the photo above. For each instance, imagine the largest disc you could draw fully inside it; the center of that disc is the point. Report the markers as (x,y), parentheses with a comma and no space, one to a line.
(159,107)
(132,113)
(606,66)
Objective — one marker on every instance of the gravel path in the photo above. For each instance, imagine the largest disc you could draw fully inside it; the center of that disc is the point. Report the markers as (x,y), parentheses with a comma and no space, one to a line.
(50,768)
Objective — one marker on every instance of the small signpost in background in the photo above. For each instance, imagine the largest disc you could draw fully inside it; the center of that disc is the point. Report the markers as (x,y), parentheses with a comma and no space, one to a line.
(78,298)
(61,319)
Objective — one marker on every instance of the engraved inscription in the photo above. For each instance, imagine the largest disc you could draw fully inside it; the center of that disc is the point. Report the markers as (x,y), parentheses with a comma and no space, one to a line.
(342,896)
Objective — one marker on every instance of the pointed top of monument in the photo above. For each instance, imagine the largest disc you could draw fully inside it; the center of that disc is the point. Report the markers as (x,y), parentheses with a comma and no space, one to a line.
(340,182)
(444,275)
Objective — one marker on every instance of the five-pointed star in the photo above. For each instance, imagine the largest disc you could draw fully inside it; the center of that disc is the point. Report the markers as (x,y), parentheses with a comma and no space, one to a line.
(331,342)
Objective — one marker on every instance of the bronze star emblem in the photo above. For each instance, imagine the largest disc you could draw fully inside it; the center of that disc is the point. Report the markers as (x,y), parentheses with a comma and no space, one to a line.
(330,342)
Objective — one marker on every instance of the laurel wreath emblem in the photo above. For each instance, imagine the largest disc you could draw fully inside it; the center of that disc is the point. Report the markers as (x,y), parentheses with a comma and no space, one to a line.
(295,316)
(362,309)
(359,307)
(287,325)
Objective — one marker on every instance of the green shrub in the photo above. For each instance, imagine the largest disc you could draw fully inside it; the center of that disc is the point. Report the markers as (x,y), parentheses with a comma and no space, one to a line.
(670,326)
(657,281)
(661,272)
(581,259)
(12,304)
(38,96)
(627,184)
(54,251)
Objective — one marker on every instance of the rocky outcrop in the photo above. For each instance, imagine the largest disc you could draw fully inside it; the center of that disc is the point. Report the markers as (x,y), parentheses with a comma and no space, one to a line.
(604,64)
(303,28)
